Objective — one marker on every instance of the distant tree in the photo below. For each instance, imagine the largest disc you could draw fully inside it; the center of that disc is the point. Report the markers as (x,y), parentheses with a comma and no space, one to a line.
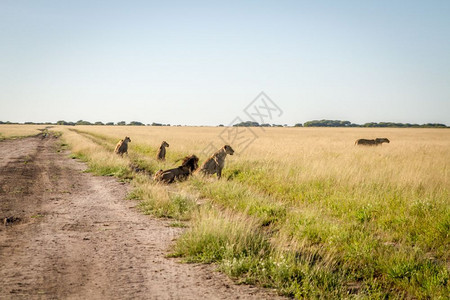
(110,123)
(135,123)
(434,125)
(98,123)
(121,123)
(329,123)
(156,124)
(311,123)
(247,124)
(266,125)
(298,125)
(81,122)
(345,123)
(221,125)
(62,122)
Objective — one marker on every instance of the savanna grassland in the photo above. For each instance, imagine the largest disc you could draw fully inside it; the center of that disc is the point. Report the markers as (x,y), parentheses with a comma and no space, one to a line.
(8,131)
(302,210)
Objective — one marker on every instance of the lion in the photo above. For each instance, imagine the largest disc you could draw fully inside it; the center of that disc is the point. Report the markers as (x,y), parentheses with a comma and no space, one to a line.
(375,142)
(122,146)
(380,141)
(188,166)
(366,142)
(216,162)
(162,151)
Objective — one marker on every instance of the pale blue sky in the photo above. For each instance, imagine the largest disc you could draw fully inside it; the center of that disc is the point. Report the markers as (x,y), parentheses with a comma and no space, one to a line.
(202,62)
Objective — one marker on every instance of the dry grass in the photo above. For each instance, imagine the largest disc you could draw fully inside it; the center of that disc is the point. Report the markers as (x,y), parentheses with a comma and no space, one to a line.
(414,157)
(8,131)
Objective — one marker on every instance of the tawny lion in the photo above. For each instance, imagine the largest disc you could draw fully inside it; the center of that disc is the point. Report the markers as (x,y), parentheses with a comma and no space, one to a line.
(162,151)
(375,142)
(216,162)
(188,166)
(382,140)
(122,146)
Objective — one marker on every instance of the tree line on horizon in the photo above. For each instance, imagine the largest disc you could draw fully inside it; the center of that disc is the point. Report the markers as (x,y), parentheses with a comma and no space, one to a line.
(82,122)
(339,123)
(314,123)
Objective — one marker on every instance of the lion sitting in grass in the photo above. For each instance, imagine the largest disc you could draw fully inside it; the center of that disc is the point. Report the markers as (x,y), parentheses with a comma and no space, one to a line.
(188,166)
(216,162)
(162,151)
(122,146)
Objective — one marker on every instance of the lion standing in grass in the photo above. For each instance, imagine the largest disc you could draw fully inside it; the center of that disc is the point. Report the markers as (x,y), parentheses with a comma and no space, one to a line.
(382,140)
(188,166)
(162,151)
(122,146)
(216,162)
(375,142)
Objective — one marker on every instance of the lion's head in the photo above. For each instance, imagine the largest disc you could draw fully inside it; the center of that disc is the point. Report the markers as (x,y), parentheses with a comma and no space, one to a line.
(228,149)
(191,162)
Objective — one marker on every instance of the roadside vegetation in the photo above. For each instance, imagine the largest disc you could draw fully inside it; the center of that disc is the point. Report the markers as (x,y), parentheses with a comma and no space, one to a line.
(302,210)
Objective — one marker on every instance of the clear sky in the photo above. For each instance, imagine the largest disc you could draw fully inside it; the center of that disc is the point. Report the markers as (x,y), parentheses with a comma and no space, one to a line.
(203,62)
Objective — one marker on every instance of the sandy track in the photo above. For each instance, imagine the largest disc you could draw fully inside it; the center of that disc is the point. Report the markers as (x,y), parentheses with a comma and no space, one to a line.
(74,236)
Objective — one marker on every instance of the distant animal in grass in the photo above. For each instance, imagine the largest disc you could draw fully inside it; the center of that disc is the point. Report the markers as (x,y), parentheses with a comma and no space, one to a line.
(373,142)
(122,146)
(188,166)
(161,155)
(216,162)
(380,141)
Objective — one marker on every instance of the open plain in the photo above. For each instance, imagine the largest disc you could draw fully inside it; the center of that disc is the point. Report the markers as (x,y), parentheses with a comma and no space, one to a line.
(301,210)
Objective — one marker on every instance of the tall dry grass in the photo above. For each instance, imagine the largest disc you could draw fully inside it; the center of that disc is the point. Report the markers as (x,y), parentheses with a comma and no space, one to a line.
(8,131)
(415,156)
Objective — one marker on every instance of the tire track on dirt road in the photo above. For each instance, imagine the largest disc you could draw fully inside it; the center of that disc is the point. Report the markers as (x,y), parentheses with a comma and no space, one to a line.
(73,236)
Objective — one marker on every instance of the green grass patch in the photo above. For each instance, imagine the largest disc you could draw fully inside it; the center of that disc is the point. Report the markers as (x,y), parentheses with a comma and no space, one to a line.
(178,224)
(160,203)
(243,250)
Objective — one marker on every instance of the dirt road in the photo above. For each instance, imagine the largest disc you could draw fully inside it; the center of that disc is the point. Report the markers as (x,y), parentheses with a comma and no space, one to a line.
(71,235)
